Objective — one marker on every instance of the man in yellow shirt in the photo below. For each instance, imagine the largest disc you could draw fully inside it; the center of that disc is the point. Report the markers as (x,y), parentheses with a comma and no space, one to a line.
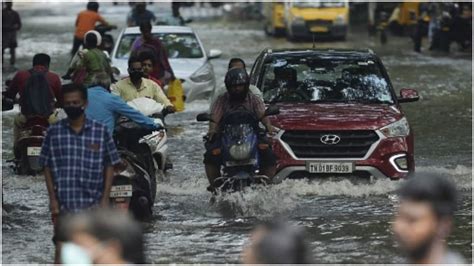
(136,86)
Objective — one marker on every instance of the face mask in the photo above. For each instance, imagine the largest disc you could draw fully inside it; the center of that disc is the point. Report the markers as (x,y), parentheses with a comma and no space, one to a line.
(238,96)
(74,254)
(74,112)
(136,75)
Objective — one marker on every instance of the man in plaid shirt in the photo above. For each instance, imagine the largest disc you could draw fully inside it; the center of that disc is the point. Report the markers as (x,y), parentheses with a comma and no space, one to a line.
(78,155)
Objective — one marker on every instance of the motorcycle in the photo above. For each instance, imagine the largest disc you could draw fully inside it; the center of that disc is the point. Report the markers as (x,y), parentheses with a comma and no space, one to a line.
(28,147)
(144,154)
(241,163)
(107,39)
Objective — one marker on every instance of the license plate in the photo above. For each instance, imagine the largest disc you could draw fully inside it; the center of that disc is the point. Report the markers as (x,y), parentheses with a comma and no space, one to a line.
(330,167)
(123,191)
(319,29)
(33,151)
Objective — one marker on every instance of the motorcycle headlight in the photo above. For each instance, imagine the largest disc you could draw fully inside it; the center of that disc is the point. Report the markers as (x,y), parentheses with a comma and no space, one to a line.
(399,128)
(240,152)
(340,20)
(203,74)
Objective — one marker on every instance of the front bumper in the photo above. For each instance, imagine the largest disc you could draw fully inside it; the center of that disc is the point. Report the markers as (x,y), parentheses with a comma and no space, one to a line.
(379,162)
(304,31)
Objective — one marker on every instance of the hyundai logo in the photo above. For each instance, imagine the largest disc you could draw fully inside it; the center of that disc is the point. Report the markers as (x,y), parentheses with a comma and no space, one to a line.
(330,139)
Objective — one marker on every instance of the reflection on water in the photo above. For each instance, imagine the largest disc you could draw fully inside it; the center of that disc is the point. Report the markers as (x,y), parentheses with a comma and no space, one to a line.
(346,220)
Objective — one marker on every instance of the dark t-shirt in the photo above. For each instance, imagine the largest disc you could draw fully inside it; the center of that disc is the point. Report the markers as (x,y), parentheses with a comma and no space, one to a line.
(138,18)
(10,20)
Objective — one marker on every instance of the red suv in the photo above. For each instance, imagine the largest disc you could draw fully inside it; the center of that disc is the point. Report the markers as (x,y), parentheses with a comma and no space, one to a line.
(339,114)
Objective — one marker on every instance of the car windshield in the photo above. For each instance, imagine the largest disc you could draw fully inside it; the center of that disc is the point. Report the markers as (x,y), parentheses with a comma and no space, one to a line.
(322,80)
(318,4)
(178,45)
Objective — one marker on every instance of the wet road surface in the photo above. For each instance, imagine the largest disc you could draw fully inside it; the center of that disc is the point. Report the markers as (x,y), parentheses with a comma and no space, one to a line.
(347,221)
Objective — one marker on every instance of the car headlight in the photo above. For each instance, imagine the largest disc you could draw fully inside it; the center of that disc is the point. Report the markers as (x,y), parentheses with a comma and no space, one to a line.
(340,20)
(203,74)
(240,152)
(399,128)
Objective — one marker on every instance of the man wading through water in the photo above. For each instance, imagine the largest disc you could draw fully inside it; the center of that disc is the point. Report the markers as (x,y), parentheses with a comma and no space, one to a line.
(77,156)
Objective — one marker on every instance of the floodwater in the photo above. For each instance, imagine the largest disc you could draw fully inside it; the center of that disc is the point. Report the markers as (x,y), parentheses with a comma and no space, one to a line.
(346,221)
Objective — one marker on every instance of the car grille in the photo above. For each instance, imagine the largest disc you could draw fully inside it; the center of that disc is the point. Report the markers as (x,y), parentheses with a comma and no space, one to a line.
(352,144)
(319,22)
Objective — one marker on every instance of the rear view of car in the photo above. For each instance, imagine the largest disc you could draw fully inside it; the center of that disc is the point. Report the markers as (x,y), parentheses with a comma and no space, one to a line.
(338,114)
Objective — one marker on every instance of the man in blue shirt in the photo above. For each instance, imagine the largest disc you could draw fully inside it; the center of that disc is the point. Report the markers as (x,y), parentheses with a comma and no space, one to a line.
(78,156)
(106,107)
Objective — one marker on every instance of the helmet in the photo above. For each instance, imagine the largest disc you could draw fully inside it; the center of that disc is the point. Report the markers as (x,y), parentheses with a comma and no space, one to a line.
(235,77)
(97,35)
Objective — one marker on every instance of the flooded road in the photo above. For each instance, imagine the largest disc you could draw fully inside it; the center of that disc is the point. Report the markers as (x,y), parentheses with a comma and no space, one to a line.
(346,221)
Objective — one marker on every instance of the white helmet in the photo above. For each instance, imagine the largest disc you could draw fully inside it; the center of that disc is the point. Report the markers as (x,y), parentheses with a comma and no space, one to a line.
(97,34)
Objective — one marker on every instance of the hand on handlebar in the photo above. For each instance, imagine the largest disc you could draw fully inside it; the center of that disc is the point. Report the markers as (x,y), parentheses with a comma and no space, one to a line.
(170,109)
(158,124)
(271,131)
(209,137)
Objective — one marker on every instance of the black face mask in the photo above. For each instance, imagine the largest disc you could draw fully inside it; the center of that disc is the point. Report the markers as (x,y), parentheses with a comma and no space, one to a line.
(238,96)
(135,75)
(74,112)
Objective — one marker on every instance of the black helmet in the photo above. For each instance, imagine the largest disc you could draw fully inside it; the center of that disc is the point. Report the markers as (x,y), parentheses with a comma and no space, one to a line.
(235,77)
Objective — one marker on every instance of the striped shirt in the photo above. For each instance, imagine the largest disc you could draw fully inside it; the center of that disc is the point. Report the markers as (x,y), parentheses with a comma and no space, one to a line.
(77,162)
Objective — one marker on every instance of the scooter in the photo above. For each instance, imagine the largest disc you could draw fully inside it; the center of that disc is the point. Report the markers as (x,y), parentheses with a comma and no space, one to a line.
(144,154)
(28,147)
(241,162)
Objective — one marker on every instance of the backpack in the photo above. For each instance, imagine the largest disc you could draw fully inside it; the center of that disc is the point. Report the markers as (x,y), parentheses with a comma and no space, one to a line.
(37,97)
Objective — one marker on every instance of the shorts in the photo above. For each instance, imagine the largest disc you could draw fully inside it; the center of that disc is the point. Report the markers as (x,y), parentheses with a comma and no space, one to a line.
(9,39)
(267,157)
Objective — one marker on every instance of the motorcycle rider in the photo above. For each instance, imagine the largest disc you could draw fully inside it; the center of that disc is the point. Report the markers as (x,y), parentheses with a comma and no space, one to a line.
(234,63)
(136,86)
(148,61)
(91,60)
(18,84)
(85,22)
(237,96)
(106,107)
(147,42)
(140,14)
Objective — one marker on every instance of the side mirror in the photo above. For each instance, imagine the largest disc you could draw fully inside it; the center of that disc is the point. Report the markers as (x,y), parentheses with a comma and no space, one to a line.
(7,104)
(203,117)
(408,95)
(189,20)
(272,110)
(214,53)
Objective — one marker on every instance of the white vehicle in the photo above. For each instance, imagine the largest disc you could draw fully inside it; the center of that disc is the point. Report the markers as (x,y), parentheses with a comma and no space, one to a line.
(187,57)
